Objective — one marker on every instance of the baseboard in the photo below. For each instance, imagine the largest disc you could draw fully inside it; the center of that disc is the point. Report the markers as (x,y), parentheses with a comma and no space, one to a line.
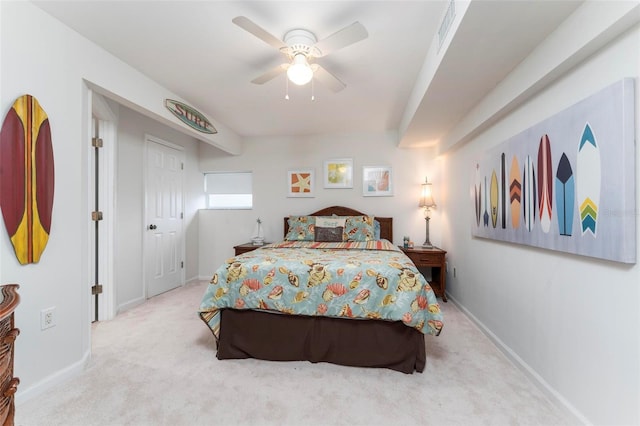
(130,304)
(52,381)
(535,378)
(206,278)
(193,280)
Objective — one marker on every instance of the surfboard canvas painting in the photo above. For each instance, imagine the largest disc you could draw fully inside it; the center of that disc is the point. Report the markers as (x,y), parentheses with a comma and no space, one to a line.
(570,184)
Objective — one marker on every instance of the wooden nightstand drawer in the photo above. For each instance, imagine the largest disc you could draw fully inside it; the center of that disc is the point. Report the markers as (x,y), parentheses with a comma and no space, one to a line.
(246,247)
(426,259)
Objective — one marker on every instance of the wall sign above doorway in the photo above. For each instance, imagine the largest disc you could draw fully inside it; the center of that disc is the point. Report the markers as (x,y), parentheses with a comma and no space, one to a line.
(190,116)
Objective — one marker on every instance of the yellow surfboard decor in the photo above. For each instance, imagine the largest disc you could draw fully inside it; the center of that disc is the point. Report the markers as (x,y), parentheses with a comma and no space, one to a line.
(27,178)
(494,199)
(515,192)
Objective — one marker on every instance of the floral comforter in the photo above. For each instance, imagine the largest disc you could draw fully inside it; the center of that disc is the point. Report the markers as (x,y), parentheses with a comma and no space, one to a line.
(365,280)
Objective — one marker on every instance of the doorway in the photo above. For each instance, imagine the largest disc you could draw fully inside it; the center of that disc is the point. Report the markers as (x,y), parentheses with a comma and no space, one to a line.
(163,241)
(101,206)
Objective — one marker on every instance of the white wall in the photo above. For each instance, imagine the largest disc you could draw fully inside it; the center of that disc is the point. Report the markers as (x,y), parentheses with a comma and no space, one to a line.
(270,159)
(573,322)
(32,65)
(54,64)
(130,229)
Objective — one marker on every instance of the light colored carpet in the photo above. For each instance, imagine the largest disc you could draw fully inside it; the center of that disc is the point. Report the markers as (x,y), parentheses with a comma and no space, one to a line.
(155,365)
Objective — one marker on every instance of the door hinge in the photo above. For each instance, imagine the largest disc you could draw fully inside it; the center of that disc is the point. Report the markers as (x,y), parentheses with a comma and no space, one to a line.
(181,166)
(96,289)
(181,215)
(96,216)
(182,264)
(96,142)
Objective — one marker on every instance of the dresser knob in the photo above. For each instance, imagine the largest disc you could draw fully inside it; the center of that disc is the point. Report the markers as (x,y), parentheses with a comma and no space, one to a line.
(12,388)
(11,336)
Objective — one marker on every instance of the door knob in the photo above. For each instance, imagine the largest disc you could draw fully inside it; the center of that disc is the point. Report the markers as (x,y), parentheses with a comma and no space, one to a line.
(152,227)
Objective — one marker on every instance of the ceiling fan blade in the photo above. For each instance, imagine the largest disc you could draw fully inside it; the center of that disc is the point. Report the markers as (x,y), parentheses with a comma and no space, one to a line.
(346,36)
(327,79)
(248,25)
(271,74)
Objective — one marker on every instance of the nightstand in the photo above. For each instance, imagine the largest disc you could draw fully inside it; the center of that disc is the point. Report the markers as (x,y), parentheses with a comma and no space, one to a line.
(246,247)
(433,258)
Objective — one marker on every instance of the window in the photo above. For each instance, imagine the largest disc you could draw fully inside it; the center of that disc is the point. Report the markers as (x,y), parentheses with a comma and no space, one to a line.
(229,190)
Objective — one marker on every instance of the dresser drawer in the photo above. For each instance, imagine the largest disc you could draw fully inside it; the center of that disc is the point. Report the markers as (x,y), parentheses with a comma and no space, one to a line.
(9,299)
(7,391)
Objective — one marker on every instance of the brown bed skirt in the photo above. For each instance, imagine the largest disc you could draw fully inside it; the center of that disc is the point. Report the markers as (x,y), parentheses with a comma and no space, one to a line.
(362,343)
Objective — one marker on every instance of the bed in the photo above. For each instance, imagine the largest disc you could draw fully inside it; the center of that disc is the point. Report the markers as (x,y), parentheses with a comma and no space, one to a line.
(334,290)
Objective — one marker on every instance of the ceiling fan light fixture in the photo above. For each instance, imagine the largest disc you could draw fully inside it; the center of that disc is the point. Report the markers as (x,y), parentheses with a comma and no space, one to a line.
(300,71)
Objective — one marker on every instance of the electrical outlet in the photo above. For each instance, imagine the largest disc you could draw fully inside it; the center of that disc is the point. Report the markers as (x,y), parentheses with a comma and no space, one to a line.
(47,318)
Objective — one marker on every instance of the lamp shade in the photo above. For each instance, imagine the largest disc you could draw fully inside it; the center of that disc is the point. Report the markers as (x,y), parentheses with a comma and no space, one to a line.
(299,72)
(426,196)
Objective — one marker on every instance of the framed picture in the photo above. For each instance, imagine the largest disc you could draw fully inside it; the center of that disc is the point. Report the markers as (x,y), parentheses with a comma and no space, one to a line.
(300,183)
(566,183)
(376,181)
(338,173)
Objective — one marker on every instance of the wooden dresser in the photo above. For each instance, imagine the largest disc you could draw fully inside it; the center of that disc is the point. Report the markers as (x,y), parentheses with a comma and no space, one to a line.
(9,300)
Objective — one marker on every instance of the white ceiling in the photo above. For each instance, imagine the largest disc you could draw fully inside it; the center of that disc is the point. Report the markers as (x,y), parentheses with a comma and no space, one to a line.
(193,49)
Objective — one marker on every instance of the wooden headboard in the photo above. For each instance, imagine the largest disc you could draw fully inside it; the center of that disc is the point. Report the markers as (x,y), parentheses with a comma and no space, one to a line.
(386,223)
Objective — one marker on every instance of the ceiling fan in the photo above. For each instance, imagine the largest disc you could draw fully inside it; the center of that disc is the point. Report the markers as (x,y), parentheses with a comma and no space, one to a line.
(301,48)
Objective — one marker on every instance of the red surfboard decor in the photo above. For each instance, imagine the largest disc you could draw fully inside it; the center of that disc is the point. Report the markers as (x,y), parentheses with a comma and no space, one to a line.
(26,178)
(545,184)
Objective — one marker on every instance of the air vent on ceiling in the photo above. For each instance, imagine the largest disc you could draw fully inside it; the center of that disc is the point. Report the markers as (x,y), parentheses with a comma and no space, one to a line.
(447,20)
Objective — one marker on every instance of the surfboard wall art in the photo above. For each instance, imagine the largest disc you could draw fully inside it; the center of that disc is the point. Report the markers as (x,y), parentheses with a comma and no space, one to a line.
(515,193)
(26,178)
(529,194)
(589,182)
(503,190)
(190,116)
(565,195)
(494,199)
(545,184)
(570,186)
(477,187)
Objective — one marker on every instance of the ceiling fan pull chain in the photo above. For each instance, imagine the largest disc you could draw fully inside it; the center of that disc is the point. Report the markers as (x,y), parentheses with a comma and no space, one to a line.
(286,96)
(313,98)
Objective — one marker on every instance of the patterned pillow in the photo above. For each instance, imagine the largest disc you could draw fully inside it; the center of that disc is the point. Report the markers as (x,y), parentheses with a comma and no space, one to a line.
(333,235)
(359,228)
(376,230)
(301,228)
(329,229)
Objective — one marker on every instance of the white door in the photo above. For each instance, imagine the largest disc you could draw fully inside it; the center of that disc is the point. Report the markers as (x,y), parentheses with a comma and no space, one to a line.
(164,241)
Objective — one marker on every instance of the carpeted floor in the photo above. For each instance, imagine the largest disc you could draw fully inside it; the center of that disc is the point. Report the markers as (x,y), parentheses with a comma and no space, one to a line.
(155,365)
